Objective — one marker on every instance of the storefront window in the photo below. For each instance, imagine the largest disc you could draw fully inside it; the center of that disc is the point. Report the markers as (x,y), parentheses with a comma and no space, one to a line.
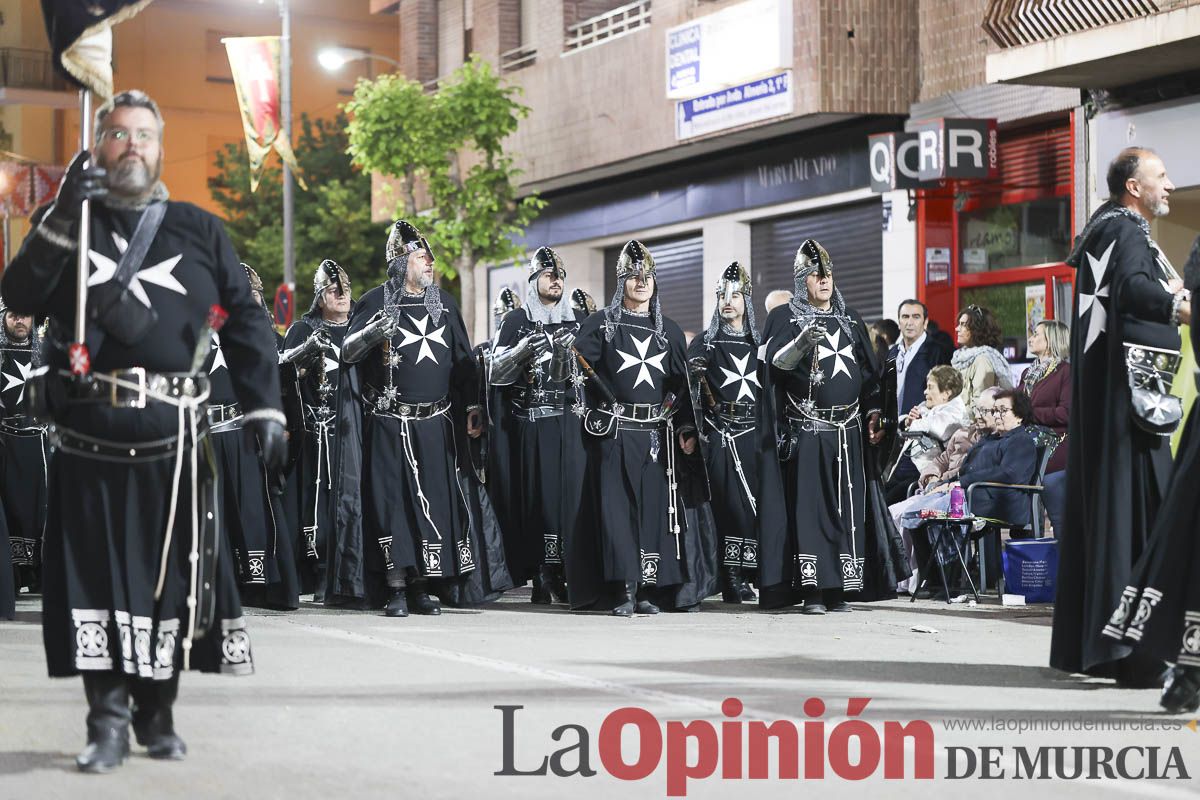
(1015,235)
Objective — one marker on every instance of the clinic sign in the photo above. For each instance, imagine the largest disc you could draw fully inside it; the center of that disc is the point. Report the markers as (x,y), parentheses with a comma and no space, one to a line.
(737,105)
(934,150)
(729,48)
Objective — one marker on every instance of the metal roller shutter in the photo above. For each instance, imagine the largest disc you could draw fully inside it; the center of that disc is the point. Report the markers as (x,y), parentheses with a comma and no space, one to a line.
(680,268)
(853,235)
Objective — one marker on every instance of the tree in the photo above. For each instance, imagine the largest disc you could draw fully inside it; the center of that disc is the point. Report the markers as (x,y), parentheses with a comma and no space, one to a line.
(449,145)
(332,218)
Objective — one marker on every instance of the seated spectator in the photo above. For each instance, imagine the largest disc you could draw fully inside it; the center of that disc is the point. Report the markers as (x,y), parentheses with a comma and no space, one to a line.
(1007,454)
(942,468)
(938,418)
(1048,383)
(978,357)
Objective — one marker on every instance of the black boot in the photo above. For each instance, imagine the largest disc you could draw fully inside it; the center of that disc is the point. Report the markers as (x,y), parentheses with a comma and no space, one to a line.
(626,607)
(153,722)
(644,606)
(319,589)
(556,581)
(107,722)
(835,600)
(541,590)
(812,602)
(730,584)
(420,601)
(1181,691)
(745,592)
(397,604)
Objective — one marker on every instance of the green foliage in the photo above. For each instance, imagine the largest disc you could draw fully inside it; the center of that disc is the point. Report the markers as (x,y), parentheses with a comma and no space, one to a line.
(448,145)
(332,219)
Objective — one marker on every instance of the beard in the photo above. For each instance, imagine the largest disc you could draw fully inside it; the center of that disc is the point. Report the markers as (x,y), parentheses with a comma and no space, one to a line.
(421,280)
(551,295)
(1160,208)
(131,176)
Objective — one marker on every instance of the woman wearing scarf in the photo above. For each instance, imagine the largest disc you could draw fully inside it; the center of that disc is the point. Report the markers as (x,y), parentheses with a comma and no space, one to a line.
(978,356)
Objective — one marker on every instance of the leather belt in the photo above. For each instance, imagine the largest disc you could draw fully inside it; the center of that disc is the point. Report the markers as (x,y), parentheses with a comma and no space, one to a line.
(109,387)
(725,422)
(222,415)
(532,398)
(624,424)
(734,410)
(20,425)
(798,411)
(536,412)
(639,412)
(403,410)
(81,444)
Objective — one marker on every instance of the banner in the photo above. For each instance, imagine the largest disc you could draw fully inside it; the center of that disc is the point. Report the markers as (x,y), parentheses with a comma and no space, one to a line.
(81,39)
(25,186)
(254,61)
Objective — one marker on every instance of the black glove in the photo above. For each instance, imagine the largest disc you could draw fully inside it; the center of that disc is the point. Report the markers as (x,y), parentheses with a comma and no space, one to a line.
(271,442)
(78,184)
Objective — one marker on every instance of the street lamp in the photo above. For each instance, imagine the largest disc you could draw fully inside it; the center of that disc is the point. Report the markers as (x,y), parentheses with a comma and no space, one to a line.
(334,58)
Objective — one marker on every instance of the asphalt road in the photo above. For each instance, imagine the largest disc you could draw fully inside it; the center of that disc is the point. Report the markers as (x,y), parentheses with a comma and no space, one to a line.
(352,704)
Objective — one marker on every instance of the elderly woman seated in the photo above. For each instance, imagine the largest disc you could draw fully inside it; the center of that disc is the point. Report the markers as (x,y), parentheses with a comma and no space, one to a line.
(1006,453)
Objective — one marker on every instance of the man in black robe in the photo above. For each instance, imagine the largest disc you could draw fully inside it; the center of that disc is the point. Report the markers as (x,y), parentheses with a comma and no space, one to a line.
(418,380)
(253,520)
(628,550)
(136,585)
(538,393)
(724,361)
(313,349)
(1129,301)
(823,384)
(23,447)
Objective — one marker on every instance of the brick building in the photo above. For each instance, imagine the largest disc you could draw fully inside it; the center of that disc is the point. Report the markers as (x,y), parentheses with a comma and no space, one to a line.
(624,148)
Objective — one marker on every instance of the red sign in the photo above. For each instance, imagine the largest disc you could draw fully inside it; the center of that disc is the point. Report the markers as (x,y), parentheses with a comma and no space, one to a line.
(285,303)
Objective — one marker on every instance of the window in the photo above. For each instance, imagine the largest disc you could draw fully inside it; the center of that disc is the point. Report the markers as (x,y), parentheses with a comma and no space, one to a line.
(1015,235)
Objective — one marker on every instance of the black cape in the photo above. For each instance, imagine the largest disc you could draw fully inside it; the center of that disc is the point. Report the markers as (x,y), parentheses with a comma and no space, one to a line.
(1116,473)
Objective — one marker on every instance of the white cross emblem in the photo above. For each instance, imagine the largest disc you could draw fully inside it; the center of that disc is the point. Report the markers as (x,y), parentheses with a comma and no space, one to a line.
(11,381)
(641,361)
(1091,302)
(158,274)
(837,352)
(425,351)
(745,378)
(334,361)
(219,360)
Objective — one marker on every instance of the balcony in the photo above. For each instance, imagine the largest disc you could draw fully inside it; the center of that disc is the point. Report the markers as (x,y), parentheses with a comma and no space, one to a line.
(27,77)
(517,58)
(1090,44)
(607,26)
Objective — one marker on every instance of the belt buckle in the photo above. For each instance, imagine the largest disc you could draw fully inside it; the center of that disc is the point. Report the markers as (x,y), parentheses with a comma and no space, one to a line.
(140,402)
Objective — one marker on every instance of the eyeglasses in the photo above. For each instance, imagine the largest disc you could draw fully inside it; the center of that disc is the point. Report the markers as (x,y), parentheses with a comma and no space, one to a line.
(121,135)
(998,411)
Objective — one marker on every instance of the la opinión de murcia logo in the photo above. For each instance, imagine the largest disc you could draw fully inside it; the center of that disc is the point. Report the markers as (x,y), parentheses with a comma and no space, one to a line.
(737,748)
(851,749)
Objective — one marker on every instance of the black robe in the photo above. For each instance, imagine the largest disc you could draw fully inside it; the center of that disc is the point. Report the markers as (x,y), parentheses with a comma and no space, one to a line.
(541,483)
(1159,611)
(315,480)
(8,587)
(730,452)
(24,456)
(420,495)
(107,526)
(624,531)
(823,523)
(1116,473)
(256,527)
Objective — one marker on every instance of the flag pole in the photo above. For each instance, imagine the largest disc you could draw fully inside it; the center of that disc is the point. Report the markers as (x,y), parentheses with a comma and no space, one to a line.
(81,366)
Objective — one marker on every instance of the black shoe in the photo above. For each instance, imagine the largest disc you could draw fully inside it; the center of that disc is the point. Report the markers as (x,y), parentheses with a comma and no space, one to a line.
(840,607)
(646,607)
(745,592)
(422,603)
(541,591)
(107,723)
(153,720)
(397,604)
(731,585)
(319,590)
(814,609)
(556,582)
(1181,691)
(627,606)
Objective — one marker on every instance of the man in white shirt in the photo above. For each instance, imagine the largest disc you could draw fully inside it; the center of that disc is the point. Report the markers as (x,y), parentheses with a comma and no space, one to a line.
(914,355)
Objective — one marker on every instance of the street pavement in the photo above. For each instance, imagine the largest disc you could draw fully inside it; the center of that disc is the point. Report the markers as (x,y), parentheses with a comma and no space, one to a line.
(356,705)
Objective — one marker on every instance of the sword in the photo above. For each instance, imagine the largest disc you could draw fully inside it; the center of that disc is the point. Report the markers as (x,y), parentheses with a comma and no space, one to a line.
(591,375)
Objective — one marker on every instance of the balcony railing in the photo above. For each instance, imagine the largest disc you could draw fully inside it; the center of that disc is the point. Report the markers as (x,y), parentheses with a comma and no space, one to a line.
(21,68)
(607,26)
(1013,23)
(517,58)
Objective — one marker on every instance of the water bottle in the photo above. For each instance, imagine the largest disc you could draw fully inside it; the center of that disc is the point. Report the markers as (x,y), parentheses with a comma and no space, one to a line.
(957,497)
